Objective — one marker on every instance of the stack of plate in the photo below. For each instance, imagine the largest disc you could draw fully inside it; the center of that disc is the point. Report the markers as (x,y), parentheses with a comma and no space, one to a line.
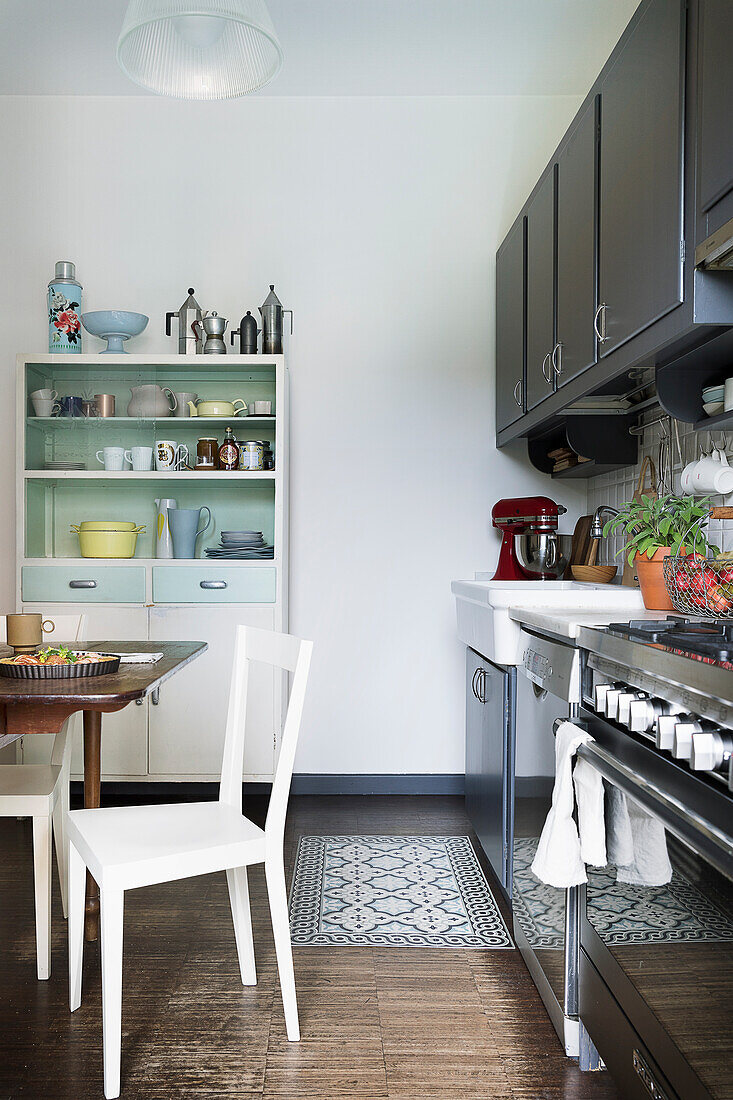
(713,398)
(63,465)
(241,544)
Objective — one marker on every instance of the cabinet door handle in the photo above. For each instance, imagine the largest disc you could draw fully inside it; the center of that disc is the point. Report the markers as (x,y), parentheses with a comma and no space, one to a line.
(600,316)
(212,584)
(518,392)
(473,682)
(82,584)
(546,372)
(557,359)
(481,685)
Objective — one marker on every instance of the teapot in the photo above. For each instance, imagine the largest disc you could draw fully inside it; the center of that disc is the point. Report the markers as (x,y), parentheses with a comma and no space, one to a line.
(217,408)
(214,327)
(150,401)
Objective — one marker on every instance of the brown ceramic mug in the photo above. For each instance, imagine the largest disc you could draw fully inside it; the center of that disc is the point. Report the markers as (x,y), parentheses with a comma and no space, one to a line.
(25,632)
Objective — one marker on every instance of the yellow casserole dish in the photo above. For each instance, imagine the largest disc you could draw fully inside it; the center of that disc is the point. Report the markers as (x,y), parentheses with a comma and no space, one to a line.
(107,543)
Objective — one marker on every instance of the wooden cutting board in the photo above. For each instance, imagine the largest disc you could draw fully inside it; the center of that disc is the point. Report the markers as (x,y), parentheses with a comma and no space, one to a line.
(580,547)
(646,485)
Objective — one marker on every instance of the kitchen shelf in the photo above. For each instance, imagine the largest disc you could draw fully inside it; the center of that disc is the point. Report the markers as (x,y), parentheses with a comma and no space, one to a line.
(249,563)
(136,421)
(603,440)
(150,475)
(720,420)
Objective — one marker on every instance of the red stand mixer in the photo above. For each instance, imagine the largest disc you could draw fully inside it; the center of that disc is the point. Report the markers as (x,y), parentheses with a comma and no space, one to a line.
(531,522)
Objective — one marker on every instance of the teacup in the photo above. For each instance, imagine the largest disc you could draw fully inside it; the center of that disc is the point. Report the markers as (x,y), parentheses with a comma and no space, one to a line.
(44,406)
(25,632)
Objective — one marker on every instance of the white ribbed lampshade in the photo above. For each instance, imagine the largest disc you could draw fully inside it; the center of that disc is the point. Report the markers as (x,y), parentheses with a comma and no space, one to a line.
(199,49)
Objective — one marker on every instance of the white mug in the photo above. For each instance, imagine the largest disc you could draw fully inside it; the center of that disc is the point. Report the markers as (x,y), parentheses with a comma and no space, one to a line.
(713,475)
(112,457)
(45,406)
(170,455)
(45,395)
(260,408)
(686,487)
(140,458)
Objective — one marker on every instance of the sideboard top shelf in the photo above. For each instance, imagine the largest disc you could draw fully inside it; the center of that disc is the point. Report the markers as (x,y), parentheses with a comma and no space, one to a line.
(102,359)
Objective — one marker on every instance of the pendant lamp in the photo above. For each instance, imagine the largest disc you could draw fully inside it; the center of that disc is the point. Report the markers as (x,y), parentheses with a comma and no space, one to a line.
(199,49)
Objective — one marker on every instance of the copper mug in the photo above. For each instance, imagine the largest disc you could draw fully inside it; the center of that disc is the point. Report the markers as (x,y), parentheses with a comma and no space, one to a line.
(105,403)
(25,632)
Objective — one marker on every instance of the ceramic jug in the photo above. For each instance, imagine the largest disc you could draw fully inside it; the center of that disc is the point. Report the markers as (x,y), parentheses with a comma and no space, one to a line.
(163,540)
(151,400)
(186,528)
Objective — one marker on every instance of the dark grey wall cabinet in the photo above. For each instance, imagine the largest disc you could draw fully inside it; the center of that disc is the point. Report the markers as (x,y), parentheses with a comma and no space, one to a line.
(510,327)
(489,713)
(541,291)
(641,232)
(715,103)
(576,249)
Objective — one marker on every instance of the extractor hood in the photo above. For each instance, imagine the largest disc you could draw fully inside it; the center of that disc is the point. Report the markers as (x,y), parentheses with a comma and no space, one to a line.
(716,253)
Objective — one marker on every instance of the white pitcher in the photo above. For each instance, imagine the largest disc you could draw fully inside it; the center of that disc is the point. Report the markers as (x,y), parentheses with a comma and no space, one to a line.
(163,537)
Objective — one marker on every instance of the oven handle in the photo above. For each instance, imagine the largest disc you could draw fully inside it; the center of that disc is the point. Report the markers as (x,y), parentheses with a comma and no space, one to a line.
(671,811)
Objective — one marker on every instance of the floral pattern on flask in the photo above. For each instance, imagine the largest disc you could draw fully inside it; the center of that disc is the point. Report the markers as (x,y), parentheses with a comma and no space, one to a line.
(62,316)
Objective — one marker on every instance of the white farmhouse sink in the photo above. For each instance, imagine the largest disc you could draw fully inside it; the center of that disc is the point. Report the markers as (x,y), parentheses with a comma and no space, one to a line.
(483,609)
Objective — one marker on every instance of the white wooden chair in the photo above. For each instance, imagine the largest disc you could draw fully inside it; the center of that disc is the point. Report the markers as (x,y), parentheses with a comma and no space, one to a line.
(132,846)
(41,791)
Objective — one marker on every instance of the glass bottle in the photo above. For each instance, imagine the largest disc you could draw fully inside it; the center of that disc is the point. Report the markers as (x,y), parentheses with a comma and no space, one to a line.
(228,452)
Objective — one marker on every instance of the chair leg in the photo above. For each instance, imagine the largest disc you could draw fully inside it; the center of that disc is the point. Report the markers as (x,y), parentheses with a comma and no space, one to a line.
(42,884)
(60,811)
(77,879)
(111,903)
(278,897)
(239,900)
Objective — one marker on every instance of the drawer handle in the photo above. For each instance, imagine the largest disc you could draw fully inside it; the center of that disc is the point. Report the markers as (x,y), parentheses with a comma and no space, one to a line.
(212,584)
(82,584)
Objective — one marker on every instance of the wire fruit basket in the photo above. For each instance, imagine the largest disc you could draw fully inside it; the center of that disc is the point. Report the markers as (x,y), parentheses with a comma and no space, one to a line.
(700,586)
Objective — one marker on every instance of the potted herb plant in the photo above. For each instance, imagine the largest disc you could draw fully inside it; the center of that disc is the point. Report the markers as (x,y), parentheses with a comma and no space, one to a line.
(654,529)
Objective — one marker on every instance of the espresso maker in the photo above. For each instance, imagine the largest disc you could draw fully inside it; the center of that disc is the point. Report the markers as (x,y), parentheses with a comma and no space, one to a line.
(531,548)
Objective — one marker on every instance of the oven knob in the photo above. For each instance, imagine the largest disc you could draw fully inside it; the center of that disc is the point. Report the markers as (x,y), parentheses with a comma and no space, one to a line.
(600,697)
(665,731)
(710,750)
(624,705)
(612,697)
(642,714)
(682,747)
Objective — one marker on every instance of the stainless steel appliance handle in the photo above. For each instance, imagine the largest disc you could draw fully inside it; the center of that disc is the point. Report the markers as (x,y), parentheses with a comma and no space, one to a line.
(82,584)
(638,786)
(518,396)
(212,584)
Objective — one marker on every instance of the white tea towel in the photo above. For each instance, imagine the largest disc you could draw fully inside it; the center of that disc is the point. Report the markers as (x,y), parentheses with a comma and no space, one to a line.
(137,658)
(589,798)
(558,861)
(637,842)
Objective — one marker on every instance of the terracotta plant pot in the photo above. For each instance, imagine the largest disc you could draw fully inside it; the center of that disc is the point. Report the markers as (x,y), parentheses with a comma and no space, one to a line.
(651,580)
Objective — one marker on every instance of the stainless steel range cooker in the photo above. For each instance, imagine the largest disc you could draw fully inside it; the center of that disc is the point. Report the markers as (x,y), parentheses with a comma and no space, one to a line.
(656,936)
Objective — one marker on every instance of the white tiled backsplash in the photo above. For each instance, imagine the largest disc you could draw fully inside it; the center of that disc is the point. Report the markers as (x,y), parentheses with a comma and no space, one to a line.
(617,487)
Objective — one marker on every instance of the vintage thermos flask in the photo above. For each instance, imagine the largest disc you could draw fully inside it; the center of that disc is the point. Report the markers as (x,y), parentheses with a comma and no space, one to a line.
(64,310)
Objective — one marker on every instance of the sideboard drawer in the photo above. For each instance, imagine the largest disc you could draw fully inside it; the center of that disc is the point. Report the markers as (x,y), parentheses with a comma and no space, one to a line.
(213,584)
(90,583)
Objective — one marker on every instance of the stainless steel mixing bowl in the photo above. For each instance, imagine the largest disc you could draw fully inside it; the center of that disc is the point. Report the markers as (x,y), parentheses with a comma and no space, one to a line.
(544,553)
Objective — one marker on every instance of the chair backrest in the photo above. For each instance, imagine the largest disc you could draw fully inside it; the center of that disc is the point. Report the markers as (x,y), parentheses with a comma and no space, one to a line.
(292,655)
(67,628)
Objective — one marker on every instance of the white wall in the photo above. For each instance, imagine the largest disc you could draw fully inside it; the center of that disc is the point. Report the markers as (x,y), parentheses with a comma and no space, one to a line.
(378,220)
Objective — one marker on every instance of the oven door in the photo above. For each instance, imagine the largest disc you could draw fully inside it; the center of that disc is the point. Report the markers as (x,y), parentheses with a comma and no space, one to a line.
(656,933)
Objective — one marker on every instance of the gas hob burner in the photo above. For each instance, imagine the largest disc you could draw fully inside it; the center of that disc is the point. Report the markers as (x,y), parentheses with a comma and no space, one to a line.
(712,639)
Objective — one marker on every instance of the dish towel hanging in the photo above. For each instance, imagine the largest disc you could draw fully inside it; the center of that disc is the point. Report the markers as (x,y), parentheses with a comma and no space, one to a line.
(559,858)
(637,842)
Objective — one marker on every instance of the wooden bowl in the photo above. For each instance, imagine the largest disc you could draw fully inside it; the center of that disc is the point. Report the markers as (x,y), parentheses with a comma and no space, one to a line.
(594,574)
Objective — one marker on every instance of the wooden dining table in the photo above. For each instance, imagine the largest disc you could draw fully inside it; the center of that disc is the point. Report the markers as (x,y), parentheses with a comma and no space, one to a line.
(42,706)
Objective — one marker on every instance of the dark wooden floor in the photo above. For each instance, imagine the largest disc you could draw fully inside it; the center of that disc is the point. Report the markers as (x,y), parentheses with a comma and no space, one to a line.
(408,1023)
